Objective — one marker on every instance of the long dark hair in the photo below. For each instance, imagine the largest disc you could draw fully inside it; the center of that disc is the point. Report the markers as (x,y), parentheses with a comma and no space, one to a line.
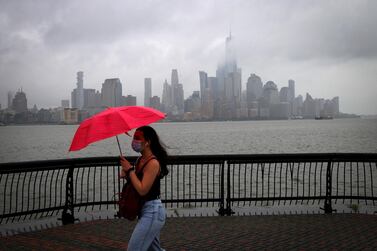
(157,147)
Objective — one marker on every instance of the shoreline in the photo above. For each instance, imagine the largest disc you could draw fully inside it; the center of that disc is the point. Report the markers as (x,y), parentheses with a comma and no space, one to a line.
(199,121)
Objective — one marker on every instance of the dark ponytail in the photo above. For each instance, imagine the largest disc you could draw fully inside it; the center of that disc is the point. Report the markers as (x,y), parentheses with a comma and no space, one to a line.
(157,147)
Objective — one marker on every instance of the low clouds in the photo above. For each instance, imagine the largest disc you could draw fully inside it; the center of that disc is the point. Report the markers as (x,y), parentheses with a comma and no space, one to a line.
(44,43)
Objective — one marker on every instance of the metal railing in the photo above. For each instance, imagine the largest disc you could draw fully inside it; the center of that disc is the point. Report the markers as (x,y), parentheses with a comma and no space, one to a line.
(64,187)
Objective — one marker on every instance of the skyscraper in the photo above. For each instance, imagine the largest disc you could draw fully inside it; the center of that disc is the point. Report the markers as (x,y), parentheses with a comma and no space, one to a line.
(284,94)
(80,80)
(297,106)
(147,91)
(129,100)
(19,103)
(167,97)
(271,93)
(10,99)
(177,93)
(179,98)
(229,82)
(203,83)
(254,89)
(155,102)
(291,86)
(111,92)
(77,95)
(174,77)
(309,107)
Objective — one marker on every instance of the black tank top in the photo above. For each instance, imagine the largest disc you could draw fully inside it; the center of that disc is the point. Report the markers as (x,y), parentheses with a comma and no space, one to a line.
(154,192)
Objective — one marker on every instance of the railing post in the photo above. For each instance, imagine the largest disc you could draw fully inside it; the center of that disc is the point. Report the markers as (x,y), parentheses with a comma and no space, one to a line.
(228,210)
(328,208)
(222,195)
(68,211)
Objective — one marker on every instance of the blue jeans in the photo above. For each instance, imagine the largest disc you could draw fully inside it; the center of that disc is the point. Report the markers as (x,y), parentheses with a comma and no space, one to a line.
(146,235)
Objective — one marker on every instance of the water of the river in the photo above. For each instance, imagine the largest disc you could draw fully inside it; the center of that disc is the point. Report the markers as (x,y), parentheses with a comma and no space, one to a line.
(40,142)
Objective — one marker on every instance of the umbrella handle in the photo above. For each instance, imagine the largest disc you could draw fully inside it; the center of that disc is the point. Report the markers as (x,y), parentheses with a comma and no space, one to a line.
(120,151)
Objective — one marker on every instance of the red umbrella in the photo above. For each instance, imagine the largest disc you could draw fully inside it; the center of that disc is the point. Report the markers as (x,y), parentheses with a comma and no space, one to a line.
(111,122)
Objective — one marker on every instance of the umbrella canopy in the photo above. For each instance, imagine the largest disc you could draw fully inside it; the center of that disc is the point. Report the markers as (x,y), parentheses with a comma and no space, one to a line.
(111,122)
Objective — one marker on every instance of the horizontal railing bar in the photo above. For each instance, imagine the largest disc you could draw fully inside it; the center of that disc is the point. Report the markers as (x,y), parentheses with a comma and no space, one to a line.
(163,201)
(15,167)
(279,198)
(303,198)
(189,200)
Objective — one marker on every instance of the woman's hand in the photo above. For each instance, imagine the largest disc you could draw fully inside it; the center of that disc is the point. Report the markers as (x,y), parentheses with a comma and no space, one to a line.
(125,166)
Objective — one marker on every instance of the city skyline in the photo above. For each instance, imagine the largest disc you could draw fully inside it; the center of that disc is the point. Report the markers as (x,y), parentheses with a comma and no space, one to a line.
(220,98)
(276,41)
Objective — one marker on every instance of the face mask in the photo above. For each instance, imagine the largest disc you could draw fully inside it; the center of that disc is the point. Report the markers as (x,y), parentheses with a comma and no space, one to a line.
(137,145)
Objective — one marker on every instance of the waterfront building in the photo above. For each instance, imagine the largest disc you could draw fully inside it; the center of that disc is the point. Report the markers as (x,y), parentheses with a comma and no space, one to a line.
(254,89)
(291,87)
(147,91)
(179,99)
(65,103)
(213,86)
(328,109)
(297,106)
(167,98)
(208,86)
(335,103)
(203,79)
(111,93)
(155,103)
(34,110)
(129,100)
(319,105)
(193,107)
(89,98)
(10,99)
(92,98)
(19,103)
(279,110)
(270,93)
(69,115)
(309,107)
(77,95)
(177,94)
(229,83)
(207,104)
(264,108)
(44,116)
(284,95)
(253,111)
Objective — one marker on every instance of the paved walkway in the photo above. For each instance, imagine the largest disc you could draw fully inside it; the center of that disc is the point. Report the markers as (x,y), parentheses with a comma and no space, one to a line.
(292,232)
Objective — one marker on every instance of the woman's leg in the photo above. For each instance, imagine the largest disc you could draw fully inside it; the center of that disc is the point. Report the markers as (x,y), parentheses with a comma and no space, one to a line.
(147,230)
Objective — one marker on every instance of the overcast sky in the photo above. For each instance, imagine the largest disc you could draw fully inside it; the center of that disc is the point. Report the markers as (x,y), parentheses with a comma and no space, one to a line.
(328,47)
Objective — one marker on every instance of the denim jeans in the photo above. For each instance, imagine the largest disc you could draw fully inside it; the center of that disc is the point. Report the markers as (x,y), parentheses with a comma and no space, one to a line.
(146,235)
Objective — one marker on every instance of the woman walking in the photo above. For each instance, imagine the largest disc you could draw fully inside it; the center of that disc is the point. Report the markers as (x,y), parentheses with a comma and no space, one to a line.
(146,235)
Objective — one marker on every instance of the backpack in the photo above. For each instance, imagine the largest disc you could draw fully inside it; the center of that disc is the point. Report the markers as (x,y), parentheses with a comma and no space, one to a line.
(130,202)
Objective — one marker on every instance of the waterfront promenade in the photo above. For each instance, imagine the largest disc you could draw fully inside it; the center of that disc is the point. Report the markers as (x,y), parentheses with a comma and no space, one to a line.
(279,232)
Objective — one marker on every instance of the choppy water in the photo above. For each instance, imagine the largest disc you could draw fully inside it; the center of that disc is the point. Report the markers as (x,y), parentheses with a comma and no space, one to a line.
(40,142)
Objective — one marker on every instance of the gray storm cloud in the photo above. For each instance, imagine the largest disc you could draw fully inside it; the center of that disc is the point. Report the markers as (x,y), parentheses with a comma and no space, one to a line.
(326,46)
